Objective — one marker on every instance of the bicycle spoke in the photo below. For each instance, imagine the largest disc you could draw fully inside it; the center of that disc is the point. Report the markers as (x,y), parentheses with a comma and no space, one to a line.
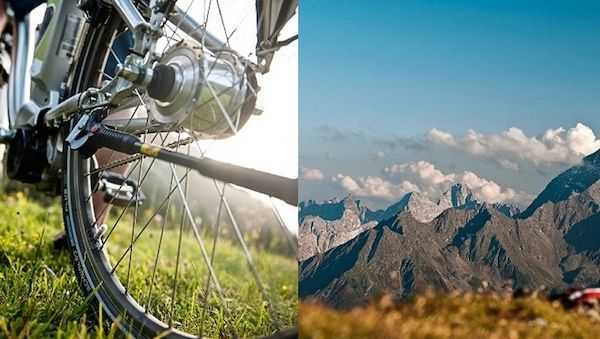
(247,255)
(250,262)
(145,226)
(155,213)
(212,257)
(223,110)
(200,242)
(284,229)
(162,231)
(205,24)
(135,217)
(223,23)
(114,55)
(140,182)
(181,227)
(176,28)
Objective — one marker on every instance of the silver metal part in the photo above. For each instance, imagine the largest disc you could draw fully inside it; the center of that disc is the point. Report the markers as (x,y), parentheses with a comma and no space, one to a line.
(135,72)
(198,32)
(79,135)
(6,135)
(119,190)
(19,81)
(127,10)
(52,60)
(145,33)
(111,94)
(39,87)
(130,102)
(208,93)
(125,192)
(63,111)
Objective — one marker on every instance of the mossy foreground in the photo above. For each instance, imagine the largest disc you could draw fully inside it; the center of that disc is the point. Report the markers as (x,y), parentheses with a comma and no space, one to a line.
(451,316)
(40,296)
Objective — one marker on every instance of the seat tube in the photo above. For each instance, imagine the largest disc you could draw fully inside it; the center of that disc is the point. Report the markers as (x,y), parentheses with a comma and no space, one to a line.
(19,82)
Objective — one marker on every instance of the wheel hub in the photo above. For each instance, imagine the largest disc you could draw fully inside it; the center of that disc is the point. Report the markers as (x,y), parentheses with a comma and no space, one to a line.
(198,91)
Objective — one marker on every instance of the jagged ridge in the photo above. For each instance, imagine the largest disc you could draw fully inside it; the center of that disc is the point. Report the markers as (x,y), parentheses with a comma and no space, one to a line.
(555,243)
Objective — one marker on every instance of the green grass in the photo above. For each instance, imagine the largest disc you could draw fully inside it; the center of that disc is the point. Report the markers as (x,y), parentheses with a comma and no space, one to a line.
(247,308)
(40,297)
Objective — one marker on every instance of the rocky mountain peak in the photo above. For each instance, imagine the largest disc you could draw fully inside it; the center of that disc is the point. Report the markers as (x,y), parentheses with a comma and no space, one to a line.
(457,196)
(421,208)
(327,224)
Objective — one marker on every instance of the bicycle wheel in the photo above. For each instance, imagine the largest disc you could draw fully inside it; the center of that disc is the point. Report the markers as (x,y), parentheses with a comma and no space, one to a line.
(170,261)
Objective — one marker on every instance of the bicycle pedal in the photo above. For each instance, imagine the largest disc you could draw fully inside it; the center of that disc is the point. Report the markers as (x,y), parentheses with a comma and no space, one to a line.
(119,190)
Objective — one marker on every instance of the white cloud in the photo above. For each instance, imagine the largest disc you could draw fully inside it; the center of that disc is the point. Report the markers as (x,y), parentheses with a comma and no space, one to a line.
(377,154)
(374,187)
(507,164)
(489,191)
(311,174)
(434,182)
(555,146)
(425,172)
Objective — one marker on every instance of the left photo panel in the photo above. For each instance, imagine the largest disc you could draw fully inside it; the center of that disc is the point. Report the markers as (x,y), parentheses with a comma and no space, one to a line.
(150,173)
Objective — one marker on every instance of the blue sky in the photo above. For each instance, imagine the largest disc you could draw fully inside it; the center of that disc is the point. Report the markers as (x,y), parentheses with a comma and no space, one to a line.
(378,77)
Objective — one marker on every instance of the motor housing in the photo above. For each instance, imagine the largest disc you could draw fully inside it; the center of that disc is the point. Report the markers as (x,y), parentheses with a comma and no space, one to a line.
(210,94)
(26,157)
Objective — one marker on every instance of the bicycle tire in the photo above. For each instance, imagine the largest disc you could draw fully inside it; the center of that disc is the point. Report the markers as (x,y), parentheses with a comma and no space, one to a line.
(92,265)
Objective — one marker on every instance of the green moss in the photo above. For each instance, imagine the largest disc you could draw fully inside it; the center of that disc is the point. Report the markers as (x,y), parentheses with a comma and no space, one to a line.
(40,297)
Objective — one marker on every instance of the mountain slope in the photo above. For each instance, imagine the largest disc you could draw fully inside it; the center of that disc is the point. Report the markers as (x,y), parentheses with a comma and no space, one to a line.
(574,180)
(329,224)
(556,246)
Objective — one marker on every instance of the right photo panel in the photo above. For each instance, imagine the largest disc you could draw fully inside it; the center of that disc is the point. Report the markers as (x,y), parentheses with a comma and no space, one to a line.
(449,169)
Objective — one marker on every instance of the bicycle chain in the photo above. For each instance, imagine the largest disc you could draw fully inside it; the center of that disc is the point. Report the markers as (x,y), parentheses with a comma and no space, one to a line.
(132,158)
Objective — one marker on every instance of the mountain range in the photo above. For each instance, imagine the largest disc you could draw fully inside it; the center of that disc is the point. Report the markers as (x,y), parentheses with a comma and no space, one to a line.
(325,225)
(555,243)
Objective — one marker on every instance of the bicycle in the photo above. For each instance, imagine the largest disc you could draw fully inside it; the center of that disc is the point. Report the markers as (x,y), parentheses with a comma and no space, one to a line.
(79,132)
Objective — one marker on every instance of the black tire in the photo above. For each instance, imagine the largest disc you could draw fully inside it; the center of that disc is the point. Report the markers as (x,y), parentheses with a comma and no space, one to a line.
(90,263)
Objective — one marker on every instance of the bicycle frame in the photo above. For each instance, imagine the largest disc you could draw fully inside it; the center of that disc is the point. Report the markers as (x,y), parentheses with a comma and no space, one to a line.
(54,54)
(50,63)
(35,98)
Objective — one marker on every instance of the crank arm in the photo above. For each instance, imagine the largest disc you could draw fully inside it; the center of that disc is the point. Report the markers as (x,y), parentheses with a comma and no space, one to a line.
(98,136)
